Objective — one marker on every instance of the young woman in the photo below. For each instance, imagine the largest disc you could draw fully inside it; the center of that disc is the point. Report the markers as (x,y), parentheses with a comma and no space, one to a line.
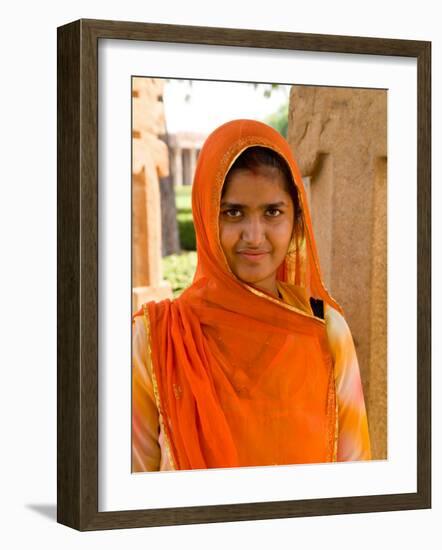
(254,363)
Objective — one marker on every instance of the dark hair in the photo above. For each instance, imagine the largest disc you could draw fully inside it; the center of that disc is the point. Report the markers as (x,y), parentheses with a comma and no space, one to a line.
(263,160)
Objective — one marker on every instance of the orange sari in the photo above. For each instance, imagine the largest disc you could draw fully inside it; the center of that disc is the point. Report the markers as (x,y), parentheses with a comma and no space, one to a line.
(242,378)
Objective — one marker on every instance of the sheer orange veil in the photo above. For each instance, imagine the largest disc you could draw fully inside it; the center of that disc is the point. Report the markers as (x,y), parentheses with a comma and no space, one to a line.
(234,368)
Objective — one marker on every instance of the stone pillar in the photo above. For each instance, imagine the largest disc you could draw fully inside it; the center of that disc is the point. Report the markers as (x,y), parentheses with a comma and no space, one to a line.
(187,180)
(192,163)
(149,163)
(339,138)
(377,387)
(177,160)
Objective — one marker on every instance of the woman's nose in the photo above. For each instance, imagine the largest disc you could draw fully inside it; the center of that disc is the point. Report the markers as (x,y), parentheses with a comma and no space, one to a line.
(253,232)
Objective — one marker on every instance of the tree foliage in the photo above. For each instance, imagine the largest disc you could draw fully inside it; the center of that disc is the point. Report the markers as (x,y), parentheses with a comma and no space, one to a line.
(279,119)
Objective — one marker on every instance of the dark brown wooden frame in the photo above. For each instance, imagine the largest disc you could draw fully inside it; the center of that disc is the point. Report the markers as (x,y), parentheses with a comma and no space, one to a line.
(77,279)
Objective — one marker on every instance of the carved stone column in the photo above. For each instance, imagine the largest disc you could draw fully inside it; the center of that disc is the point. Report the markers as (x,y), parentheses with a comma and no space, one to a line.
(149,163)
(177,160)
(192,163)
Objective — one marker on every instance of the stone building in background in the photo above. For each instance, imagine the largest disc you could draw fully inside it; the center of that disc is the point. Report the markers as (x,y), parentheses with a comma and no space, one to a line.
(184,148)
(339,138)
(150,163)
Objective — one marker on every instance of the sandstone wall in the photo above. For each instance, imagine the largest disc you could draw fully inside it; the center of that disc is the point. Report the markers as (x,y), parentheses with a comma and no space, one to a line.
(339,138)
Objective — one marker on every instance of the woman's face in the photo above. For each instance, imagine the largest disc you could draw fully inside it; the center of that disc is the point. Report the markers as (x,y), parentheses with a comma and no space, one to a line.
(255,226)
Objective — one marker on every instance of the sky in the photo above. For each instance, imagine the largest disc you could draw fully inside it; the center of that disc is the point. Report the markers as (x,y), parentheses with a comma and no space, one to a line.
(211,103)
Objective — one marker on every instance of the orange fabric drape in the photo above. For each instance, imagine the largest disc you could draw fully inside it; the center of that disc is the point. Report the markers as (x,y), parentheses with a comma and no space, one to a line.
(242,378)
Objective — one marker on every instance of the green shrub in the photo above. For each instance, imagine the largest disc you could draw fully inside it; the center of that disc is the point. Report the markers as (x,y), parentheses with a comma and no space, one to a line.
(179,270)
(184,216)
(187,235)
(183,197)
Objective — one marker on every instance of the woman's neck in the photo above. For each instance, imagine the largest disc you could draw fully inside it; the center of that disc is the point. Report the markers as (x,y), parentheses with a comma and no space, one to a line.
(273,292)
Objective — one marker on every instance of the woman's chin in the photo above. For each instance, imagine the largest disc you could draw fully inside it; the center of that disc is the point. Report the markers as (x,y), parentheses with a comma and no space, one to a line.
(255,279)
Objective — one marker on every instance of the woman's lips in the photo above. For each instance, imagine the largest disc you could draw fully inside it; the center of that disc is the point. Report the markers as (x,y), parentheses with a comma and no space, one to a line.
(252,255)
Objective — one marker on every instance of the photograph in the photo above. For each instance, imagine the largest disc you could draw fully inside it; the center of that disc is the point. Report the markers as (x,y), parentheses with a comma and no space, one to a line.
(259,274)
(234,207)
(221,216)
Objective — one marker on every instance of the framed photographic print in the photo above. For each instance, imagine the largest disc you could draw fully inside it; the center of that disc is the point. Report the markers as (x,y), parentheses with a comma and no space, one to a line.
(227,354)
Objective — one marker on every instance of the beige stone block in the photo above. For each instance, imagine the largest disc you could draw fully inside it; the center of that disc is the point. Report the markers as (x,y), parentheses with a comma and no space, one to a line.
(150,162)
(140,267)
(141,295)
(148,117)
(147,106)
(377,376)
(149,150)
(151,88)
(146,207)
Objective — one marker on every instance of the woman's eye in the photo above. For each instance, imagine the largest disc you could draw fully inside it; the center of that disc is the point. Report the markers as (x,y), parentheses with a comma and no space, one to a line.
(274,212)
(233,213)
(236,213)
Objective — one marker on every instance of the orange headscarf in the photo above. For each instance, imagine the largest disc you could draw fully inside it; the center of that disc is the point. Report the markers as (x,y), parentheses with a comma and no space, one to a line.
(242,378)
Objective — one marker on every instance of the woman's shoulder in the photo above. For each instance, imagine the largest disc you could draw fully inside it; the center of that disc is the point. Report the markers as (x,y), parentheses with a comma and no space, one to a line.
(334,320)
(338,331)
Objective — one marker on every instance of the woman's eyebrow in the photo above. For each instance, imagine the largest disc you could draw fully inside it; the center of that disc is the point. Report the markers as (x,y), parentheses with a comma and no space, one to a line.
(231,205)
(266,205)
